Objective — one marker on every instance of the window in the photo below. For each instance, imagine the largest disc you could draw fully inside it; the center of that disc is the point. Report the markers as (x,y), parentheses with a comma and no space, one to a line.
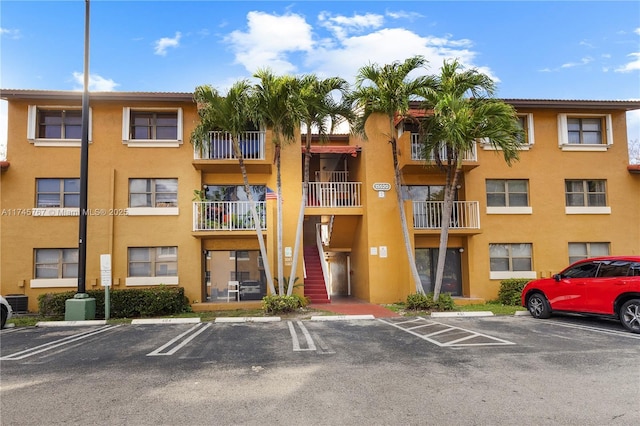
(152,127)
(585,193)
(59,124)
(614,268)
(56,263)
(55,125)
(153,261)
(586,132)
(153,192)
(153,265)
(526,123)
(511,261)
(507,192)
(583,270)
(579,251)
(58,193)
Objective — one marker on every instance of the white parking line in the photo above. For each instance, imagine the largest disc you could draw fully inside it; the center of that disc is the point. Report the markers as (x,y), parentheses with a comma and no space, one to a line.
(158,352)
(57,343)
(491,340)
(294,337)
(621,333)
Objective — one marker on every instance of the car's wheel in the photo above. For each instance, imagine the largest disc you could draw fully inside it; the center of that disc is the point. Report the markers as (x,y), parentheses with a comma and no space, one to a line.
(538,306)
(630,315)
(4,314)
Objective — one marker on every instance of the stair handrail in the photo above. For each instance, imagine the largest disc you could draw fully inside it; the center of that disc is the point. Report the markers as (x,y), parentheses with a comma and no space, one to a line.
(323,261)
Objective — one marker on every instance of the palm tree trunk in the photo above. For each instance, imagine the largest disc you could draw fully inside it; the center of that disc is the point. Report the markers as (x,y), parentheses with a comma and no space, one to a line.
(254,213)
(449,196)
(279,230)
(303,204)
(403,217)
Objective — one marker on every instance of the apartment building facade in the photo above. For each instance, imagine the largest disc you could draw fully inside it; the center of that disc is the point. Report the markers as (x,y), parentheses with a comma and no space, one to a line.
(169,214)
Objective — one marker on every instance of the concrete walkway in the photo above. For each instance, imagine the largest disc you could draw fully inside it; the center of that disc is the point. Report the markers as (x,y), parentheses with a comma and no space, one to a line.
(352,306)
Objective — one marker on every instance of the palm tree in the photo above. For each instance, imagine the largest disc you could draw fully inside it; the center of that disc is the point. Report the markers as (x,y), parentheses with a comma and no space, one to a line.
(321,109)
(279,108)
(464,113)
(231,113)
(388,90)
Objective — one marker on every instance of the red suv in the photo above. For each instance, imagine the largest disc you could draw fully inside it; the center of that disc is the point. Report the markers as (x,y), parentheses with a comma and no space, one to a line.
(607,286)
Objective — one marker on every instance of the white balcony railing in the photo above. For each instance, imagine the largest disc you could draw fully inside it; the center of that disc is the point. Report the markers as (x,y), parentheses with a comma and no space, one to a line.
(428,215)
(226,215)
(416,151)
(334,194)
(220,146)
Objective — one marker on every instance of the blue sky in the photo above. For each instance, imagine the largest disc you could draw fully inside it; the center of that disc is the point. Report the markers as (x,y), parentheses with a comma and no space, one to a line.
(540,49)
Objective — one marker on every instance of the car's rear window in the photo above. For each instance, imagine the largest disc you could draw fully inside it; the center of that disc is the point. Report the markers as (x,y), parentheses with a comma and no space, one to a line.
(616,268)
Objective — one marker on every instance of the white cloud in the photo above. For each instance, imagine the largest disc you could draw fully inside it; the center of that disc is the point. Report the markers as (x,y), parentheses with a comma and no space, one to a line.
(164,43)
(583,61)
(341,26)
(96,83)
(268,40)
(637,31)
(276,41)
(401,14)
(634,65)
(12,34)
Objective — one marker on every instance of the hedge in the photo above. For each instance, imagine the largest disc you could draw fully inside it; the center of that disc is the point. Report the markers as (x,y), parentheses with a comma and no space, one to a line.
(129,303)
(510,291)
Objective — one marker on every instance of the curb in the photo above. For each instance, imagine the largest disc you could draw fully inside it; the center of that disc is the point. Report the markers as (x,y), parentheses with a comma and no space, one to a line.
(70,323)
(165,321)
(461,314)
(521,313)
(341,317)
(246,319)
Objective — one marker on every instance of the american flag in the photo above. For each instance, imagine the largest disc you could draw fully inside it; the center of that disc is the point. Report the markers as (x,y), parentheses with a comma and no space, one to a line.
(271,194)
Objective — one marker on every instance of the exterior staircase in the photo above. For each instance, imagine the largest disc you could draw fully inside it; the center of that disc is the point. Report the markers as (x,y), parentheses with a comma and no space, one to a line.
(314,286)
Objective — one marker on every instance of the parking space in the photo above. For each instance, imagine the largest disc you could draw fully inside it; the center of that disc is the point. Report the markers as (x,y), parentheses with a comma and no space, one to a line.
(445,335)
(290,340)
(367,371)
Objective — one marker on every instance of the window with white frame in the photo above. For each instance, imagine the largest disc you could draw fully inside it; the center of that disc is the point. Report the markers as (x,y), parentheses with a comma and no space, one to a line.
(526,123)
(585,132)
(57,192)
(153,192)
(152,265)
(586,193)
(52,263)
(153,127)
(153,261)
(507,193)
(580,251)
(511,260)
(55,125)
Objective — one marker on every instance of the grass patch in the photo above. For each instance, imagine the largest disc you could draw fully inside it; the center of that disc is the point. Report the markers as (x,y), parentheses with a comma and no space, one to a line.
(496,307)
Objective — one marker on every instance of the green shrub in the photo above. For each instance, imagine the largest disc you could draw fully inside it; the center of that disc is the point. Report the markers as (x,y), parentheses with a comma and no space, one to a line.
(424,302)
(419,302)
(129,303)
(510,291)
(275,304)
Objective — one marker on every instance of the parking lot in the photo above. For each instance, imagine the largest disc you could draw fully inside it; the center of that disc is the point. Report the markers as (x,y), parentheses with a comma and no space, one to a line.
(409,370)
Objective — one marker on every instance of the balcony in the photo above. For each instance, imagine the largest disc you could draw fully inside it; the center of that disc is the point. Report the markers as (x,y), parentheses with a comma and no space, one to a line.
(417,163)
(416,153)
(334,194)
(465,215)
(226,215)
(217,155)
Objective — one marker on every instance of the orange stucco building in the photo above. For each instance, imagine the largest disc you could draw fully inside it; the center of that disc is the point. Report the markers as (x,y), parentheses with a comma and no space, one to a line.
(169,214)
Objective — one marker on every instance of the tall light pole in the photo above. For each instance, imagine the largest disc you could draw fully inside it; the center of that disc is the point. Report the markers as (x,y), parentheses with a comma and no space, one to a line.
(81,307)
